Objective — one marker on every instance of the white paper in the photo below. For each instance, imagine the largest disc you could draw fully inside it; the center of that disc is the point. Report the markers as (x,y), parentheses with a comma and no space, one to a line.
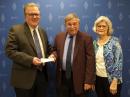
(43,60)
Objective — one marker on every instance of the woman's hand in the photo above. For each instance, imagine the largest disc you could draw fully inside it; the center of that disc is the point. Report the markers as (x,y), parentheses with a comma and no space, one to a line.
(113,86)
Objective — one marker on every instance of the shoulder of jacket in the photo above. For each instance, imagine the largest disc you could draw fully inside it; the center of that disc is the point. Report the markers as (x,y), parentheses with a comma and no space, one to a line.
(85,34)
(18,27)
(60,34)
(114,39)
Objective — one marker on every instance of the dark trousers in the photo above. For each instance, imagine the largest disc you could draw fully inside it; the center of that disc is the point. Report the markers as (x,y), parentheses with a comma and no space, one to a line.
(103,88)
(67,89)
(38,89)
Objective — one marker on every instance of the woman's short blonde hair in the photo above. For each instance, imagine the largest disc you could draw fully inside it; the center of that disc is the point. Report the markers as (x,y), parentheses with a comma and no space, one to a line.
(71,16)
(108,22)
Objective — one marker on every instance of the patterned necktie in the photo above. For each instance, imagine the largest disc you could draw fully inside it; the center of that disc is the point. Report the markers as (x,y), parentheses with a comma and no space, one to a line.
(68,59)
(38,48)
(37,44)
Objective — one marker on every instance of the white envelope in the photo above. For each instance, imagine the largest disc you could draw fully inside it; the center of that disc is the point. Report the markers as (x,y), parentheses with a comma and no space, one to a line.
(43,60)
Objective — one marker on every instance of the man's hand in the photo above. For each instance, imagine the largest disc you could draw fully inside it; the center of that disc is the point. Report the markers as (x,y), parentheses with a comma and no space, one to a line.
(36,61)
(89,87)
(52,56)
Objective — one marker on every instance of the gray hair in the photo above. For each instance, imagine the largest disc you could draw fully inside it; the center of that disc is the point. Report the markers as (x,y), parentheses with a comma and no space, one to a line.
(71,16)
(108,22)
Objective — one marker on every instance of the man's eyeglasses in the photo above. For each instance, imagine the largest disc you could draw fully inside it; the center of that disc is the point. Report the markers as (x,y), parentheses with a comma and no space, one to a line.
(33,14)
(73,24)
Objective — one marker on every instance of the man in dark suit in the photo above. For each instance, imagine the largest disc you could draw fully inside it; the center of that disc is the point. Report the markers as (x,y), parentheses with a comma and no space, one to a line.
(80,76)
(26,44)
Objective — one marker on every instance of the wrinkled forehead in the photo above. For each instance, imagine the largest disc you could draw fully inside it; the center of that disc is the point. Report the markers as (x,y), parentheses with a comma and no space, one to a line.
(71,20)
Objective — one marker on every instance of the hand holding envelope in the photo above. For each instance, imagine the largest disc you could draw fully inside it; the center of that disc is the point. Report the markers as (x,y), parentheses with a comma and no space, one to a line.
(51,58)
(44,60)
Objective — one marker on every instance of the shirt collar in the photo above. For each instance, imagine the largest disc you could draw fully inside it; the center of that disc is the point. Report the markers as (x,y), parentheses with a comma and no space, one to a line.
(31,29)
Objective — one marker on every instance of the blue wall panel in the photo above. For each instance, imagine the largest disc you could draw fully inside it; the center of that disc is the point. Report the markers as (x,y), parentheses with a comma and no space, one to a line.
(52,19)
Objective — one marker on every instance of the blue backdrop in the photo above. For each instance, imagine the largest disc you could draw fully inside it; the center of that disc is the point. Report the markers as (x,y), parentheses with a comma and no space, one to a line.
(53,13)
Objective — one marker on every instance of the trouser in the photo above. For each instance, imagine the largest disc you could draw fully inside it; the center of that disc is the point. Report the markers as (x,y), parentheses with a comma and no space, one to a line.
(103,88)
(67,88)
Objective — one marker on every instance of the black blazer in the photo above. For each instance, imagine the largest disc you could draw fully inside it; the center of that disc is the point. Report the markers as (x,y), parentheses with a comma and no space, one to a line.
(20,49)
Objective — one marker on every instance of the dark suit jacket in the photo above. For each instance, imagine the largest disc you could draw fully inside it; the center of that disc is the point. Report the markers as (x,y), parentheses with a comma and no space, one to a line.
(83,66)
(20,49)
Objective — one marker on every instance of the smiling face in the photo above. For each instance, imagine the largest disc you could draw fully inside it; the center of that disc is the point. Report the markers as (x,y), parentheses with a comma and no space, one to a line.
(32,16)
(102,28)
(72,26)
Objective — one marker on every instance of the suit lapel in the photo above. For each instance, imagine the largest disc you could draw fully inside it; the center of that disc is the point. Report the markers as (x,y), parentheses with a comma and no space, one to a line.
(42,38)
(29,37)
(76,48)
(77,45)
